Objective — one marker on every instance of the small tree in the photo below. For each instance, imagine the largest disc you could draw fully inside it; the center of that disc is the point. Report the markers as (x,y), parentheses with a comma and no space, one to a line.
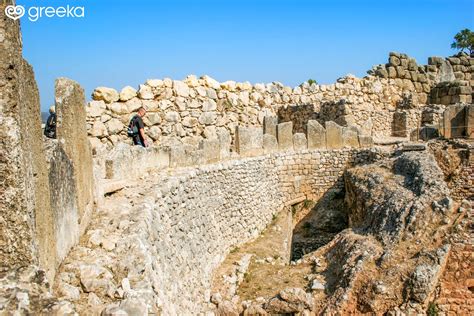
(311,81)
(464,40)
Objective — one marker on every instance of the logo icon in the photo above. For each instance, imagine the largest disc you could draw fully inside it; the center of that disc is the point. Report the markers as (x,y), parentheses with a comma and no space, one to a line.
(15,12)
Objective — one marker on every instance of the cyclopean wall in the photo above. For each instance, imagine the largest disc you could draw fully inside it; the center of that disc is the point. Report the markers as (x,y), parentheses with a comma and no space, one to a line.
(190,110)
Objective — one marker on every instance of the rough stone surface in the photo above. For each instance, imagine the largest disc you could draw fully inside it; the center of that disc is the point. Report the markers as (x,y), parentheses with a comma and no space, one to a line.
(285,136)
(270,143)
(299,141)
(334,138)
(71,128)
(470,121)
(26,228)
(108,95)
(63,194)
(270,125)
(249,141)
(316,135)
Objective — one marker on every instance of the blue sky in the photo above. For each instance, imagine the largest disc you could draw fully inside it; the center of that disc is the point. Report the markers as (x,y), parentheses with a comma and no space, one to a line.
(121,43)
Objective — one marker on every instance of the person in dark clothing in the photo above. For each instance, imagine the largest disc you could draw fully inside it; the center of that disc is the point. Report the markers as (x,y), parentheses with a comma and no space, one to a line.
(50,127)
(136,128)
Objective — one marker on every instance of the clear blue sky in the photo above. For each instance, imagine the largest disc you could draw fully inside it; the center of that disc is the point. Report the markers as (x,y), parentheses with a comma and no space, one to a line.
(121,43)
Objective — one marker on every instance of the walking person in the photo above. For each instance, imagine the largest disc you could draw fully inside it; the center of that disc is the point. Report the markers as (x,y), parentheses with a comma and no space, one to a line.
(136,128)
(50,126)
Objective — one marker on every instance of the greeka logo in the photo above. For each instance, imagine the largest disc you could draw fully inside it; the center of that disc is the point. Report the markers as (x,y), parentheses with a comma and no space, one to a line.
(35,13)
(15,12)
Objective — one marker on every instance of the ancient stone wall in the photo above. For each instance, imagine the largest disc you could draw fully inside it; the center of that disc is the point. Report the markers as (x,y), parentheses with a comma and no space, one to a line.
(26,225)
(188,219)
(431,81)
(188,111)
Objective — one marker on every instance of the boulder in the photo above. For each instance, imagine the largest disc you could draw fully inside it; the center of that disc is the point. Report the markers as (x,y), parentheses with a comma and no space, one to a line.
(145,92)
(209,105)
(114,126)
(95,108)
(108,95)
(127,93)
(181,89)
(208,118)
(190,121)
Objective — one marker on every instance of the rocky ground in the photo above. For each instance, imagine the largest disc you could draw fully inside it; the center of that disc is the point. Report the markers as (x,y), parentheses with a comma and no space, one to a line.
(403,228)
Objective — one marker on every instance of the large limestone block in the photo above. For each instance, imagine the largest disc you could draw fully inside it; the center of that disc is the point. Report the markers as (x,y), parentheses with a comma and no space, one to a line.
(350,137)
(62,184)
(270,125)
(145,92)
(225,141)
(334,138)
(211,150)
(249,141)
(128,93)
(106,94)
(285,136)
(470,121)
(299,141)
(316,135)
(26,225)
(71,127)
(270,144)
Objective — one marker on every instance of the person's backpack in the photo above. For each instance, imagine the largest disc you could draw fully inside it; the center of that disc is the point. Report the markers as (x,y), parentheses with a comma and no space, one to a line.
(50,127)
(132,129)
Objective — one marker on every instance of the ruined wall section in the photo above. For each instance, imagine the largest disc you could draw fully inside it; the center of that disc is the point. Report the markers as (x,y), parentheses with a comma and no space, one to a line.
(188,111)
(26,222)
(186,221)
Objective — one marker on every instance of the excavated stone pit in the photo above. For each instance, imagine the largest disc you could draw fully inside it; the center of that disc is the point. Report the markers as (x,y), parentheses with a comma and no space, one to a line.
(380,245)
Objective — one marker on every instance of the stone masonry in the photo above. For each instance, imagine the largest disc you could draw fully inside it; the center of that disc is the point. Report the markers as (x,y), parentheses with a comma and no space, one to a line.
(26,226)
(188,111)
(71,128)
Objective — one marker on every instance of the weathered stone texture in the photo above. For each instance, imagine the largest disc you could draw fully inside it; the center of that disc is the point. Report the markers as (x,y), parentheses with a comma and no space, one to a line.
(130,162)
(63,196)
(285,136)
(334,139)
(400,124)
(183,223)
(470,121)
(454,121)
(71,127)
(350,137)
(26,226)
(270,125)
(270,143)
(299,141)
(316,135)
(249,141)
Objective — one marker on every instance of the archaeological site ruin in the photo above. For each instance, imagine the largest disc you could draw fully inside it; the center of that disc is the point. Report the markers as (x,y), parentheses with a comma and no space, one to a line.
(343,199)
